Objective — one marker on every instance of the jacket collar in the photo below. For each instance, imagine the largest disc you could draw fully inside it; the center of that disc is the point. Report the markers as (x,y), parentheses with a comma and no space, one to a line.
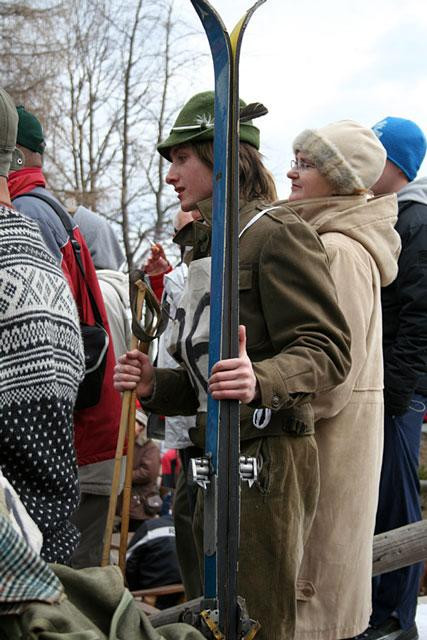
(367,221)
(316,210)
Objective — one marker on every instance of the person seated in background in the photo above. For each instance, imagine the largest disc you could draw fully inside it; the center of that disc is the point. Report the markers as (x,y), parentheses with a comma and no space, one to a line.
(145,497)
(151,559)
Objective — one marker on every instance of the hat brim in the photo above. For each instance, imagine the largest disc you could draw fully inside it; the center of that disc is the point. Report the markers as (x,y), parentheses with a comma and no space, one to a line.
(248,133)
(177,138)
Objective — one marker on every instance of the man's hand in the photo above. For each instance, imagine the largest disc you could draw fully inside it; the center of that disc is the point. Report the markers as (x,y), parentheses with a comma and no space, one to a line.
(134,371)
(234,379)
(157,262)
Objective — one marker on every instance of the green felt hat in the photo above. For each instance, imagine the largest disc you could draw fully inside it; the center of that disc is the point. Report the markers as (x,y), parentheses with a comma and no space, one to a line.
(195,123)
(30,132)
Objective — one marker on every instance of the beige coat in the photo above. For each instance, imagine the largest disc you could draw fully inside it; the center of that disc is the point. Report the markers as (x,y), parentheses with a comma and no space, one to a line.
(335,578)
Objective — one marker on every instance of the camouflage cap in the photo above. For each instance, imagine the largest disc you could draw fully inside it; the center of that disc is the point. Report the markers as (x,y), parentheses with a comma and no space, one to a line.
(10,158)
(195,123)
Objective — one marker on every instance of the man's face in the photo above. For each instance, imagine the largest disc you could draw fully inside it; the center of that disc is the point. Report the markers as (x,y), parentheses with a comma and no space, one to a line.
(189,176)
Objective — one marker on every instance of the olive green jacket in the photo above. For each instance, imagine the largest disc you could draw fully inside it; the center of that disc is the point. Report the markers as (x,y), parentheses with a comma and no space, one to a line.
(297,338)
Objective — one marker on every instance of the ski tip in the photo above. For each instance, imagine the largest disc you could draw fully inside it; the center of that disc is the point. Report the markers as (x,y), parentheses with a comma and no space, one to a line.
(236,34)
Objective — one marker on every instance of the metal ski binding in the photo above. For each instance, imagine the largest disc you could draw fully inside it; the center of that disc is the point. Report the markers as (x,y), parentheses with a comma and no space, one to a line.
(248,469)
(211,619)
(200,471)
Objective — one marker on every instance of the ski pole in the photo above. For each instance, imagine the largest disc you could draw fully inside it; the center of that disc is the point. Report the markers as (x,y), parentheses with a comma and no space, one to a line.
(140,295)
(128,411)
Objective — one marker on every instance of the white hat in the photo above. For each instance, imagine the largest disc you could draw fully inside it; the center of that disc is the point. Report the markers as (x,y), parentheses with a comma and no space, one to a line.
(347,154)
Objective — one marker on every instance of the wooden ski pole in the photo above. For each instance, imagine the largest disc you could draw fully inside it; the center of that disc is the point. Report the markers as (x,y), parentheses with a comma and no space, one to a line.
(127,490)
(127,423)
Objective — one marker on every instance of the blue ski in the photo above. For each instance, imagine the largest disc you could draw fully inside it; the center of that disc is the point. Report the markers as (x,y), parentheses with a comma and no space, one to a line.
(222,609)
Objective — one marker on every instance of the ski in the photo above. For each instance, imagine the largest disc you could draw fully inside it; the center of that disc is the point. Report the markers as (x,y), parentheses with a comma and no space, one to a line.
(222,609)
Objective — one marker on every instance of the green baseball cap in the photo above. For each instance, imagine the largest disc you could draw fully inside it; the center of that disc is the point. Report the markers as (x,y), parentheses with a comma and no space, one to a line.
(10,158)
(195,123)
(30,132)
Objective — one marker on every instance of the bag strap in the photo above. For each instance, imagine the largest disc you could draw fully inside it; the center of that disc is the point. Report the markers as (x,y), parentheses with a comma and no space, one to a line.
(252,221)
(68,226)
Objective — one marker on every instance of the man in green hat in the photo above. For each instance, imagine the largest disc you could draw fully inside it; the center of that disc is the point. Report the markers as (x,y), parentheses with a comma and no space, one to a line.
(294,342)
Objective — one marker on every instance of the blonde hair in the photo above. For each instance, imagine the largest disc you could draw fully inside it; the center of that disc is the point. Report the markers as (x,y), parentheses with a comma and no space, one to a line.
(255,180)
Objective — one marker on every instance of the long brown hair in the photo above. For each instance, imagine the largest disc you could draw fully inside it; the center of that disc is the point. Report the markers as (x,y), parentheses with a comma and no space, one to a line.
(255,180)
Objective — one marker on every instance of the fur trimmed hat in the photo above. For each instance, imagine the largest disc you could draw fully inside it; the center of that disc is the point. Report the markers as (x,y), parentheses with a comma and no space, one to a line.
(195,123)
(348,155)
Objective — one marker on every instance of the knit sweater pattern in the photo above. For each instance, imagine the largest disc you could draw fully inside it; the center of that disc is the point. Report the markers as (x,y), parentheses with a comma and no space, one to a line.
(41,366)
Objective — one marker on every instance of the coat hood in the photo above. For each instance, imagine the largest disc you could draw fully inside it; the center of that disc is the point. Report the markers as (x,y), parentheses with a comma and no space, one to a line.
(416,191)
(119,281)
(103,245)
(368,221)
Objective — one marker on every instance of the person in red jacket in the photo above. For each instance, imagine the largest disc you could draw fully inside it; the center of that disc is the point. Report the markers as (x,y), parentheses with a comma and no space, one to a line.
(96,428)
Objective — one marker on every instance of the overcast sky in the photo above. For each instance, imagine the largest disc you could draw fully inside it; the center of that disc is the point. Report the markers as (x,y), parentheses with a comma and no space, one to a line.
(313,62)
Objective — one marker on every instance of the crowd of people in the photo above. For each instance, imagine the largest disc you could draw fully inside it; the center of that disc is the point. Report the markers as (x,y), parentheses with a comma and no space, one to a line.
(331,377)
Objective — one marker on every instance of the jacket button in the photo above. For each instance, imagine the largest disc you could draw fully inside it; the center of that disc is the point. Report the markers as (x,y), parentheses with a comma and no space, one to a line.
(275,402)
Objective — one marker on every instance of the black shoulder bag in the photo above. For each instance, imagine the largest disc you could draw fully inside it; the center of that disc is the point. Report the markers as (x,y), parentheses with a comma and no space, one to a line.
(95,337)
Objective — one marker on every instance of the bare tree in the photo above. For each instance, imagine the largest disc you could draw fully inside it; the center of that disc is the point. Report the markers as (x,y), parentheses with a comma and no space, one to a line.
(103,81)
(85,112)
(29,46)
(115,105)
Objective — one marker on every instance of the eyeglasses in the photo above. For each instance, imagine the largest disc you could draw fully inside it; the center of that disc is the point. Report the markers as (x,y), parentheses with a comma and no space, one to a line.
(300,165)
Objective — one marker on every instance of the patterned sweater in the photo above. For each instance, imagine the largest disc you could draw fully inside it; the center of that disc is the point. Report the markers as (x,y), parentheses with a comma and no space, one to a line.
(41,365)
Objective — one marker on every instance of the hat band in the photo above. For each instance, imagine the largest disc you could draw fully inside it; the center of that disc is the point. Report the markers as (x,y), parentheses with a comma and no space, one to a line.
(192,127)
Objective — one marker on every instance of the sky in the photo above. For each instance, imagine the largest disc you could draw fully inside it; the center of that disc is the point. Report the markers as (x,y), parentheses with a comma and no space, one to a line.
(314,62)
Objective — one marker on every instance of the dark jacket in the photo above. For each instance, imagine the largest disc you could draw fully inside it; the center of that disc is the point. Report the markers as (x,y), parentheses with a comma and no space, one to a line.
(405,305)
(297,338)
(151,559)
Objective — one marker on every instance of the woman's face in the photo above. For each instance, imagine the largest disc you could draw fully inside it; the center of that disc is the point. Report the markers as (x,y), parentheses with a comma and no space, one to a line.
(189,176)
(307,181)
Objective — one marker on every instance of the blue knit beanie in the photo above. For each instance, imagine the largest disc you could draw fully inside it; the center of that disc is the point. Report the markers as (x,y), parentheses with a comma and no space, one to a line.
(404,142)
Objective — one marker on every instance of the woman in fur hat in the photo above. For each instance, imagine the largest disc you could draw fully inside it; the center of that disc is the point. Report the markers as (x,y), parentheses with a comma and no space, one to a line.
(333,170)
(293,343)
